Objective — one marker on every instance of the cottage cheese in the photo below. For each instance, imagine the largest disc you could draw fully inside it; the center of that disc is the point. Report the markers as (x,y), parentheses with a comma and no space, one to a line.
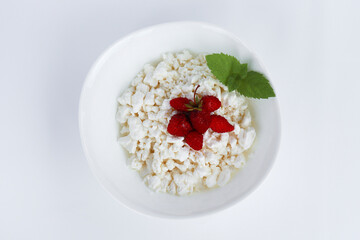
(165,162)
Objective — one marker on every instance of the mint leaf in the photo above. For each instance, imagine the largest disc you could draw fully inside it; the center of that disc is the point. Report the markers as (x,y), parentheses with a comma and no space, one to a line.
(255,85)
(232,82)
(228,70)
(223,66)
(243,71)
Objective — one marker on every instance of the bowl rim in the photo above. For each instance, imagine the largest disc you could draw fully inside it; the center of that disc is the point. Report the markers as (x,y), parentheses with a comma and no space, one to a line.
(145,212)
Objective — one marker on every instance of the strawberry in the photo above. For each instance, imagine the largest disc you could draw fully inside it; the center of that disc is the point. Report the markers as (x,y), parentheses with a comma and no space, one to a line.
(180,103)
(194,140)
(196,119)
(179,125)
(210,103)
(220,124)
(200,120)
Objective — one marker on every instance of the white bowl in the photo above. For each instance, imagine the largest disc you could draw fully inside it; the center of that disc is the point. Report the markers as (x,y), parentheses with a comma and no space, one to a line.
(111,75)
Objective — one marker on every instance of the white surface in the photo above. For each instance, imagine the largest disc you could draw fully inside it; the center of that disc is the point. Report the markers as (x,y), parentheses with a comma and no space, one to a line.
(311,49)
(112,74)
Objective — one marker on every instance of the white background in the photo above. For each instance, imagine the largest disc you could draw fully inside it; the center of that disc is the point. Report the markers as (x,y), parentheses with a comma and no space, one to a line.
(311,49)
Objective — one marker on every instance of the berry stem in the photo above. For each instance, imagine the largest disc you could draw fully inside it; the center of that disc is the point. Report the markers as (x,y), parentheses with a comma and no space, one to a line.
(195,93)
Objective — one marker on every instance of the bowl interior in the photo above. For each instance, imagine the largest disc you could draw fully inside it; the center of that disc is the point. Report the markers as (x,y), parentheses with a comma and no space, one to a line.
(112,74)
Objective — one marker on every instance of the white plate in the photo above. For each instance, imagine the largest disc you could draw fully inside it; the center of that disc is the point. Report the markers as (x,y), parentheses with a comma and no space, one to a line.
(112,74)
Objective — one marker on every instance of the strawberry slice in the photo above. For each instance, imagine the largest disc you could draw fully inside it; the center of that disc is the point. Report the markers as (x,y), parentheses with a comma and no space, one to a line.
(179,125)
(220,124)
(210,103)
(200,120)
(180,103)
(194,140)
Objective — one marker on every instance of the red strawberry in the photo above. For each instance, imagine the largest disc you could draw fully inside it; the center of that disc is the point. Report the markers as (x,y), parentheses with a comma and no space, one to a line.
(220,124)
(200,120)
(180,103)
(179,125)
(210,103)
(194,140)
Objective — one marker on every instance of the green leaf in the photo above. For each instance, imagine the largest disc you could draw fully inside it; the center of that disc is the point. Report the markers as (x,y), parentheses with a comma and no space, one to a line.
(243,70)
(255,85)
(228,70)
(232,82)
(223,66)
